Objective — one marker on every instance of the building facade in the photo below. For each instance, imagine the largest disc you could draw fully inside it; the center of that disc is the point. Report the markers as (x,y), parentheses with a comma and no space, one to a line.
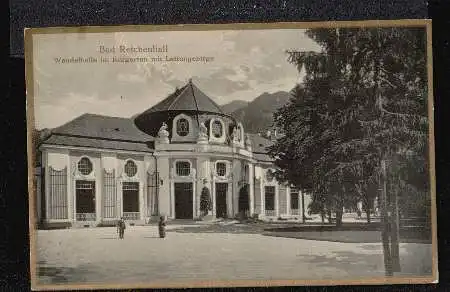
(96,169)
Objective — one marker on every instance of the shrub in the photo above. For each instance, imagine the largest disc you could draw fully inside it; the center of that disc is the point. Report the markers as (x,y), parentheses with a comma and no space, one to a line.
(205,201)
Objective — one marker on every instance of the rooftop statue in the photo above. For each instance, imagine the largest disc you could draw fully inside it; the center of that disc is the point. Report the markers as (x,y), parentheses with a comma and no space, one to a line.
(163,133)
(248,141)
(203,130)
(203,133)
(235,135)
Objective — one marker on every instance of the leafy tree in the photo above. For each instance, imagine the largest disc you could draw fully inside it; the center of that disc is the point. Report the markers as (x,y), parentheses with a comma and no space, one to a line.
(363,100)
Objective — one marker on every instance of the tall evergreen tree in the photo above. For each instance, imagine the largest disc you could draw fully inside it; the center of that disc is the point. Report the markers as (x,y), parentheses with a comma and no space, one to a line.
(363,100)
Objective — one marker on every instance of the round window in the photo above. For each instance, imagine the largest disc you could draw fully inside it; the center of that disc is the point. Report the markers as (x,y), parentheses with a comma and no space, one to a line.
(217,129)
(130,168)
(85,166)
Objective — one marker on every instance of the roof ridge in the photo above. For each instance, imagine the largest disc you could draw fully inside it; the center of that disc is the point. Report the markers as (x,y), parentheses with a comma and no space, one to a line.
(151,138)
(177,97)
(195,99)
(87,115)
(213,102)
(105,116)
(69,122)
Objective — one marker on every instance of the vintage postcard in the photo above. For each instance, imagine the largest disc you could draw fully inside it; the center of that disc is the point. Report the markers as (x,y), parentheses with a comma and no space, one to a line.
(231,155)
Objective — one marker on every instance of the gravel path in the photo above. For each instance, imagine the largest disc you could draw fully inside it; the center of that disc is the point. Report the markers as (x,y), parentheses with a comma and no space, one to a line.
(96,255)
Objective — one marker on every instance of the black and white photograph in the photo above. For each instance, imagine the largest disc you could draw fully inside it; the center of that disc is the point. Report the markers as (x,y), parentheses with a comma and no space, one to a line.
(237,155)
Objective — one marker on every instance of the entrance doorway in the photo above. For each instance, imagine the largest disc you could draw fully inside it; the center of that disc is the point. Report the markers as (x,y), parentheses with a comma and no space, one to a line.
(183,201)
(130,191)
(221,200)
(85,200)
(244,205)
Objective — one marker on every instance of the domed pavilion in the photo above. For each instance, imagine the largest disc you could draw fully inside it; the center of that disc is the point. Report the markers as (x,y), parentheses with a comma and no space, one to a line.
(182,158)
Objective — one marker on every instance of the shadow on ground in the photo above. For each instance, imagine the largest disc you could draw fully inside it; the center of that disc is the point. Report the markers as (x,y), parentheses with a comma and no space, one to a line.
(353,262)
(60,275)
(238,228)
(350,233)
(332,236)
(373,262)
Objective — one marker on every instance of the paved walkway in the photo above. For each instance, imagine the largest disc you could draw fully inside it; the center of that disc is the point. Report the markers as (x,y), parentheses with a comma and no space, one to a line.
(97,255)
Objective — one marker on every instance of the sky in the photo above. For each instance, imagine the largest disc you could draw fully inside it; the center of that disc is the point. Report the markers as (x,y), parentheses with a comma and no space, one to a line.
(243,65)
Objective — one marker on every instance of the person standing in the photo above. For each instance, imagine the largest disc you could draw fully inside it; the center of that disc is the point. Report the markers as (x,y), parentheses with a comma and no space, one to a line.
(162,227)
(121,227)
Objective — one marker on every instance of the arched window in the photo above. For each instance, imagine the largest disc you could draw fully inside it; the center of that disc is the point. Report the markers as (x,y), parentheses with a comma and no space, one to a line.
(221,168)
(130,168)
(182,127)
(85,166)
(183,168)
(217,129)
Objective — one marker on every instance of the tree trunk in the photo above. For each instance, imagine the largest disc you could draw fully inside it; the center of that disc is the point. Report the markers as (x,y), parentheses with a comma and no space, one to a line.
(322,215)
(395,236)
(339,214)
(368,215)
(303,207)
(385,232)
(329,216)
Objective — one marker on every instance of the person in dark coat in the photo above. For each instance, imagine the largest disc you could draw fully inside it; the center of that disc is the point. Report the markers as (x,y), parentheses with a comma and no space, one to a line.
(162,227)
(121,227)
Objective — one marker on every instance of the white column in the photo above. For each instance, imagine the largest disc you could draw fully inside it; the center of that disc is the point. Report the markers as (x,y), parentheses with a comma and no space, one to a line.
(69,189)
(263,201)
(74,191)
(119,191)
(46,185)
(251,189)
(143,181)
(194,197)
(98,189)
(213,195)
(171,196)
(149,168)
(230,200)
(142,187)
(203,172)
(236,171)
(165,195)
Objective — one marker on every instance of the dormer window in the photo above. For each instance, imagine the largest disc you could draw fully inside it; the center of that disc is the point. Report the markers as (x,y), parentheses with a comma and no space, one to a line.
(130,168)
(182,127)
(217,129)
(85,166)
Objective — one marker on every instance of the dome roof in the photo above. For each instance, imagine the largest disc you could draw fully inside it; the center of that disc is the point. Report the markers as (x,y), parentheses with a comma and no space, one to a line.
(188,98)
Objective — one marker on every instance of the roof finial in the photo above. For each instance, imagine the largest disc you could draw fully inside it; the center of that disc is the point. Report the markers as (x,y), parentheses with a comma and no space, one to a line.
(190,80)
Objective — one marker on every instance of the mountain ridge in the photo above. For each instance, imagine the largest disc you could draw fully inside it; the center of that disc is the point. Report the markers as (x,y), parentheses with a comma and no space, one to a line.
(257,115)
